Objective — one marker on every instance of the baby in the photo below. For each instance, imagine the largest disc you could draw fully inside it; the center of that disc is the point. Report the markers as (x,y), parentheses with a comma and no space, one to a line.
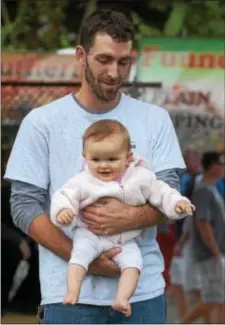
(110,171)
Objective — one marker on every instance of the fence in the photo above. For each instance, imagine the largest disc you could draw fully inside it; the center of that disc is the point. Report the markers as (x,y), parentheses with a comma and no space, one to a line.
(202,127)
(19,97)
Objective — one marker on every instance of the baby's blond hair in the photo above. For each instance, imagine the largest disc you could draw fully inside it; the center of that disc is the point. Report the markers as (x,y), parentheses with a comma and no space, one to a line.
(103,129)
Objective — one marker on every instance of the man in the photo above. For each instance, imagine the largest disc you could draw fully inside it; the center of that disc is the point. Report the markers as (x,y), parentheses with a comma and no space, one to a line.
(208,240)
(48,151)
(178,263)
(189,179)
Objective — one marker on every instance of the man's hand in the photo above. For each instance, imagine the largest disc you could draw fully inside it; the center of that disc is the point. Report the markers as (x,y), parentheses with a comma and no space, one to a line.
(104,265)
(108,217)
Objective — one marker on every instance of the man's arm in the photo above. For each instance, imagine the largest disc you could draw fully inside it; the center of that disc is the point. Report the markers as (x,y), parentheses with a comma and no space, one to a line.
(28,213)
(208,237)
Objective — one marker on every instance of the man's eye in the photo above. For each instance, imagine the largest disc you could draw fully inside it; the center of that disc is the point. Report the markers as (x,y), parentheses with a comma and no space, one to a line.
(124,62)
(103,60)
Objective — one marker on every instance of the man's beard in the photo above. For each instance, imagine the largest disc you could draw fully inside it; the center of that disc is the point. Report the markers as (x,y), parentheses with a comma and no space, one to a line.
(105,95)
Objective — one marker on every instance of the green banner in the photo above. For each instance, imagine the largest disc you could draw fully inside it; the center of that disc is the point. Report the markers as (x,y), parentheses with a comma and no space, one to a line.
(192,74)
(172,60)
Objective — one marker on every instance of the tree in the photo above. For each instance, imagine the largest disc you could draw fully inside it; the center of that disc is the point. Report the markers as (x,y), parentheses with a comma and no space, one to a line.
(49,25)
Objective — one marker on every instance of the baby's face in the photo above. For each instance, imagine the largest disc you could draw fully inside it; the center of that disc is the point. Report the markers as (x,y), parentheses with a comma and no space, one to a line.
(107,159)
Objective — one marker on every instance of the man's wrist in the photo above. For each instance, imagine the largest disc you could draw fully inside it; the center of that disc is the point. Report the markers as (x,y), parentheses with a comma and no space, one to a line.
(134,213)
(143,216)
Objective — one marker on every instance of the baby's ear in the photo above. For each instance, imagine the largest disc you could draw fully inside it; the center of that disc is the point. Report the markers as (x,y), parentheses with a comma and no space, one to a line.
(83,154)
(130,156)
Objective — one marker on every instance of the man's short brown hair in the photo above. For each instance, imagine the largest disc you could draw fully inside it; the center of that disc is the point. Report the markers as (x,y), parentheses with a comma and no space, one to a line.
(104,129)
(113,23)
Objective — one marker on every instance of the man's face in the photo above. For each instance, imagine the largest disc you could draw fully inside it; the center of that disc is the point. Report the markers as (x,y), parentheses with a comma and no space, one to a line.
(218,170)
(193,162)
(106,66)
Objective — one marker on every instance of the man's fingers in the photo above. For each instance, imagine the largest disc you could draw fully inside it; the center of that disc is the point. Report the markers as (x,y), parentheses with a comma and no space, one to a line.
(112,253)
(98,231)
(92,209)
(90,217)
(103,200)
(113,269)
(90,222)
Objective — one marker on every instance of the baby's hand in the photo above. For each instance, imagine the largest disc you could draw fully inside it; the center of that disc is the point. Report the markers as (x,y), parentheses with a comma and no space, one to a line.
(65,216)
(183,206)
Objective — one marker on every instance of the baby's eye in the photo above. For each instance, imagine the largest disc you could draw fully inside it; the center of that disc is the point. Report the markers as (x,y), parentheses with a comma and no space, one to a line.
(95,159)
(113,159)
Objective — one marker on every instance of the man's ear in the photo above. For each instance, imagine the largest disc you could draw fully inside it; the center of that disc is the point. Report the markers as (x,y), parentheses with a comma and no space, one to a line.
(81,55)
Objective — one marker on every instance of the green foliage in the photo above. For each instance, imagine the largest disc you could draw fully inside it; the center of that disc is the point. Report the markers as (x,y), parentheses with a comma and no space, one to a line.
(38,25)
(47,25)
(175,22)
(206,18)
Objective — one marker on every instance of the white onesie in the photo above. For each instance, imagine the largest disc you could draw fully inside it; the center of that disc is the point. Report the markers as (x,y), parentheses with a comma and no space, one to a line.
(137,186)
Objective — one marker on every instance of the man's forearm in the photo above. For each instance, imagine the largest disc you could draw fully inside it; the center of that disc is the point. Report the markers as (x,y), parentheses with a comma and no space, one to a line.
(47,235)
(208,237)
(145,216)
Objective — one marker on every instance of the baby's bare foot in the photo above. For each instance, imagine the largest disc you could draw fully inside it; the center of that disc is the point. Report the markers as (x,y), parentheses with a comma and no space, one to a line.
(69,299)
(123,306)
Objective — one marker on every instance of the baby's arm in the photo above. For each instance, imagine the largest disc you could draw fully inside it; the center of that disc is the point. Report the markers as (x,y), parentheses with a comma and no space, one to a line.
(168,200)
(65,203)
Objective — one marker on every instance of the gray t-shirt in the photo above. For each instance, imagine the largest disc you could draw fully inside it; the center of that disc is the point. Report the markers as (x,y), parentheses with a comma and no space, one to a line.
(210,207)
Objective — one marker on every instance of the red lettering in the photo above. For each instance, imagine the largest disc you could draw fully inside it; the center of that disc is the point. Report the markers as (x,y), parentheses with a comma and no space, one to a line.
(168,59)
(149,54)
(192,61)
(207,60)
(221,61)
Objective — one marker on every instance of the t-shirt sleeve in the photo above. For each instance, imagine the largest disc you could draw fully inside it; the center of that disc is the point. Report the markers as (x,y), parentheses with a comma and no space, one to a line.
(202,199)
(166,148)
(28,161)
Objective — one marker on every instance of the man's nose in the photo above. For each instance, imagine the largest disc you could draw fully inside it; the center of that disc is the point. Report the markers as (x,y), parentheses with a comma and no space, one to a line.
(113,70)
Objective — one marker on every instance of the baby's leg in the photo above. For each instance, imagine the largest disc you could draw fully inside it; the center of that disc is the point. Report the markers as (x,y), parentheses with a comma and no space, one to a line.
(130,261)
(86,249)
(126,287)
(75,277)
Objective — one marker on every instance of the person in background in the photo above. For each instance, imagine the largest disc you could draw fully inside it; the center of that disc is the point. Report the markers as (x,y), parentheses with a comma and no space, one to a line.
(14,245)
(177,266)
(220,185)
(208,241)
